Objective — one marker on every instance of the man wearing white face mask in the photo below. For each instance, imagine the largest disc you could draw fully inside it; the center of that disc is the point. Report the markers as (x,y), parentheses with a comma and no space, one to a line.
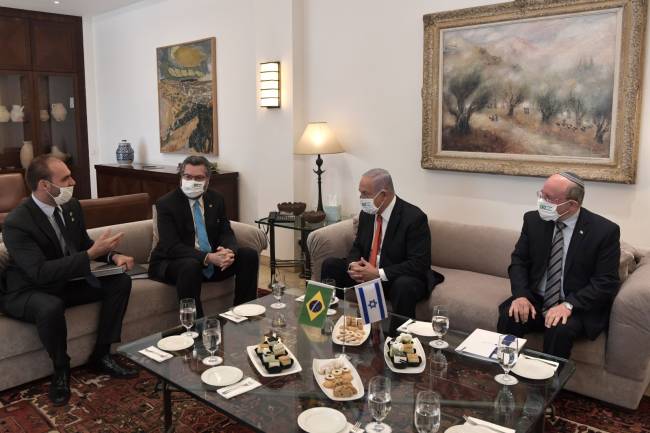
(564,269)
(393,243)
(49,271)
(196,241)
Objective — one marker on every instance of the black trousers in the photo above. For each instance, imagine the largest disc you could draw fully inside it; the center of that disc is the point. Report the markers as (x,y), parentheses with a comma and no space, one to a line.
(47,311)
(558,340)
(187,275)
(404,292)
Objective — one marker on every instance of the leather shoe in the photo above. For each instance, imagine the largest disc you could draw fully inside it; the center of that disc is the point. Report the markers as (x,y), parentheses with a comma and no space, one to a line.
(59,392)
(107,365)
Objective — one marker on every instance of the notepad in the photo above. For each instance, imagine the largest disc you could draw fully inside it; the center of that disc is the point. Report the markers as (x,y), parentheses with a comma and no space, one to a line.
(482,344)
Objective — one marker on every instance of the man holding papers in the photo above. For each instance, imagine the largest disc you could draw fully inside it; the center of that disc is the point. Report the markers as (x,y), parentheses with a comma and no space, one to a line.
(564,269)
(393,243)
(49,271)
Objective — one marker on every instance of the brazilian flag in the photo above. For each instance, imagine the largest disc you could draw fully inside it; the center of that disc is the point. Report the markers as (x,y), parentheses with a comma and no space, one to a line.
(317,301)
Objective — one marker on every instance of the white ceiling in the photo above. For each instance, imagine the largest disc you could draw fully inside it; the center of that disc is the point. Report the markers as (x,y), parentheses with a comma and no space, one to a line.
(69,7)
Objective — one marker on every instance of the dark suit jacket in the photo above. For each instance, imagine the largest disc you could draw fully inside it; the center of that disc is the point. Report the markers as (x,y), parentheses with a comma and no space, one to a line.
(176,229)
(406,247)
(591,267)
(37,262)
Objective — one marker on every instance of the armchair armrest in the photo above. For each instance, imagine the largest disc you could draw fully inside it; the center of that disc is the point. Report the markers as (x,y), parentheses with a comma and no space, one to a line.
(628,339)
(331,241)
(249,236)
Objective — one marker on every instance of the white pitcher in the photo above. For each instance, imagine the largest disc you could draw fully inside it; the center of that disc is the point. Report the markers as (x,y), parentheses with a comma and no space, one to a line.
(26,154)
(59,112)
(17,113)
(4,114)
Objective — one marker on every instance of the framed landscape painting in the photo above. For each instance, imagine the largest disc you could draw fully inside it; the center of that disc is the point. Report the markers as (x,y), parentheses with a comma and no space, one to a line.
(187,97)
(534,87)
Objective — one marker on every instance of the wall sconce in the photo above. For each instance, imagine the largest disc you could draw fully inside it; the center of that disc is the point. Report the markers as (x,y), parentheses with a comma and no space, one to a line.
(270,84)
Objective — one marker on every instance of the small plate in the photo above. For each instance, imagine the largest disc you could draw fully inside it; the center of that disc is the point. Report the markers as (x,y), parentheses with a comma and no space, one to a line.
(339,325)
(356,379)
(222,375)
(175,343)
(257,362)
(466,428)
(322,420)
(533,369)
(423,329)
(249,310)
(407,370)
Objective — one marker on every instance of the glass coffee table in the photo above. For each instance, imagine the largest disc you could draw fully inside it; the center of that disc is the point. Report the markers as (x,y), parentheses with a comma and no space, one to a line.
(466,385)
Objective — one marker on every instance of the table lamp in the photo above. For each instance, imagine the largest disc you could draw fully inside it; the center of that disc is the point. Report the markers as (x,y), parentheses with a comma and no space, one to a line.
(319,140)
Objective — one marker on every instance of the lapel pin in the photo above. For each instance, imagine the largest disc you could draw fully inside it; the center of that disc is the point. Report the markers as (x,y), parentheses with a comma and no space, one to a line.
(210,205)
(581,232)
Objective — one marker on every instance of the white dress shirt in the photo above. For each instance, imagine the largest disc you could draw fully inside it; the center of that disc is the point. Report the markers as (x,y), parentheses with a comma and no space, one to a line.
(385,217)
(48,210)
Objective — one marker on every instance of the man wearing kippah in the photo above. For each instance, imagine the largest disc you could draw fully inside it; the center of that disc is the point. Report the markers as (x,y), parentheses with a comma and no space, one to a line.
(564,269)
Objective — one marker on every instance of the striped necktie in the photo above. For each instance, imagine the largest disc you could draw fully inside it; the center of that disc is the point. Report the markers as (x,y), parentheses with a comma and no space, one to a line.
(553,292)
(202,236)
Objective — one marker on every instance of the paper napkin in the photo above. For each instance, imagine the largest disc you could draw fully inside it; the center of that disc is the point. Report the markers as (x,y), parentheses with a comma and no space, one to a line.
(491,425)
(239,389)
(232,317)
(156,354)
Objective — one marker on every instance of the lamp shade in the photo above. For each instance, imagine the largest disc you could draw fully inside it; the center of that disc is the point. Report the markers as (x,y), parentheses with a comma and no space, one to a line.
(317,139)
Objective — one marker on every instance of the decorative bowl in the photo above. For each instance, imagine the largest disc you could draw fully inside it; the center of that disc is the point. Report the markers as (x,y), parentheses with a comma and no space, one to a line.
(313,216)
(295,208)
(286,207)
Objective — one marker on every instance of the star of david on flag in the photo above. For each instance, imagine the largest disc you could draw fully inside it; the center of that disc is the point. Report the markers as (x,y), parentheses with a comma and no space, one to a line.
(372,304)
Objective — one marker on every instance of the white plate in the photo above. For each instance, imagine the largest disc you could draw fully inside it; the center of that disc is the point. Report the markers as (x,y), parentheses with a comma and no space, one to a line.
(466,428)
(222,375)
(249,310)
(533,369)
(175,343)
(339,324)
(257,362)
(356,379)
(423,329)
(322,420)
(408,370)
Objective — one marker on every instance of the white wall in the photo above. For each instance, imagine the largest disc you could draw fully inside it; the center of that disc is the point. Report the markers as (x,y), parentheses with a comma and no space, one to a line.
(363,74)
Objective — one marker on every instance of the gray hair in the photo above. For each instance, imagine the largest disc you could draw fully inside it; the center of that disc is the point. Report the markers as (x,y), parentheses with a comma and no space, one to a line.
(196,160)
(380,179)
(577,190)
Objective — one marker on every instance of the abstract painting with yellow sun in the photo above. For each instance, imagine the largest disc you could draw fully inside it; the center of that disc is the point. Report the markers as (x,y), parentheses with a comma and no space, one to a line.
(187,97)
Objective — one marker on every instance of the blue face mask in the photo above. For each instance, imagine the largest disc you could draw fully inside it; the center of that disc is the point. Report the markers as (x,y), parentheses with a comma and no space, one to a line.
(368,204)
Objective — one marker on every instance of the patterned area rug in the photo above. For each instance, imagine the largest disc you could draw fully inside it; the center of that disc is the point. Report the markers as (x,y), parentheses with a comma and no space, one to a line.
(102,405)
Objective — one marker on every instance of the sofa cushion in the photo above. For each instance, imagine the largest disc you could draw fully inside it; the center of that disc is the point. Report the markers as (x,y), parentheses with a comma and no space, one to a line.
(584,350)
(136,241)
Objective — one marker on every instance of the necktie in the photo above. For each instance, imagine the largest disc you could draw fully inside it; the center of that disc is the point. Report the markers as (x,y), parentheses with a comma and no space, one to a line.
(202,235)
(552,294)
(68,246)
(376,243)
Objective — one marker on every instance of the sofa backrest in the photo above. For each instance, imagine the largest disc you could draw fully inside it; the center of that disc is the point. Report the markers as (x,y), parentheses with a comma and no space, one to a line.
(105,211)
(136,241)
(475,248)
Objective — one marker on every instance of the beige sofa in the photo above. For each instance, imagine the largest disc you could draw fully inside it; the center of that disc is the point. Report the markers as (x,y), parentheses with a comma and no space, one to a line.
(153,306)
(474,260)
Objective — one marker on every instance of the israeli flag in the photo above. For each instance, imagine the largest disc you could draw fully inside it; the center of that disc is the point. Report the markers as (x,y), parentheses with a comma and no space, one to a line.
(370,296)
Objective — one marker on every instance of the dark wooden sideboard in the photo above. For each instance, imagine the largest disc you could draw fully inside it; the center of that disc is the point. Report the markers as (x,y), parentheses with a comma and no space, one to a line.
(157,180)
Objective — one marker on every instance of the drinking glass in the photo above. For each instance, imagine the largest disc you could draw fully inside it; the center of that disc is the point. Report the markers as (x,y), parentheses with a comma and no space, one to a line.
(331,282)
(188,316)
(277,287)
(379,403)
(211,340)
(440,324)
(507,354)
(427,412)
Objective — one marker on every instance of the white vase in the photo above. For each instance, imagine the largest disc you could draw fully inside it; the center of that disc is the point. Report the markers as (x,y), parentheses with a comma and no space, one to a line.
(4,114)
(59,112)
(58,153)
(17,113)
(26,154)
(44,115)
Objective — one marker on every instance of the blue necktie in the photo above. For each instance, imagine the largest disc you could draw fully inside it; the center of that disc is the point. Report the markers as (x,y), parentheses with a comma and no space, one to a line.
(202,235)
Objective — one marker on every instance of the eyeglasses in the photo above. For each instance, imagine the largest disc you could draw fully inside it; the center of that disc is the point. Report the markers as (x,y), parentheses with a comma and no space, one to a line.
(199,178)
(540,194)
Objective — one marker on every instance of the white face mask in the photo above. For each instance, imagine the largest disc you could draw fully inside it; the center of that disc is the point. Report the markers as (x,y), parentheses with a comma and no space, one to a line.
(548,211)
(368,205)
(65,194)
(192,188)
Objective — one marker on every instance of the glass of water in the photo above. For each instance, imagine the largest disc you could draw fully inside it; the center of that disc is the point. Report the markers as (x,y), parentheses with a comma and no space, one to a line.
(379,403)
(211,340)
(440,324)
(277,286)
(188,316)
(507,354)
(427,412)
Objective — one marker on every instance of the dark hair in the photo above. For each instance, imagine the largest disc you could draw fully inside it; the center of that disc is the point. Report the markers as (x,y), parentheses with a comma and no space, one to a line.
(196,160)
(38,170)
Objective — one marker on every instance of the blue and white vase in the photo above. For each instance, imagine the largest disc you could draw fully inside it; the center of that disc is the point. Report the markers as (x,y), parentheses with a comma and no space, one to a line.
(124,153)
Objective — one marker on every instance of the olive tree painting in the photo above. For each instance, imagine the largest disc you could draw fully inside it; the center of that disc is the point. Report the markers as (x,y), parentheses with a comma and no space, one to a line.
(187,97)
(517,88)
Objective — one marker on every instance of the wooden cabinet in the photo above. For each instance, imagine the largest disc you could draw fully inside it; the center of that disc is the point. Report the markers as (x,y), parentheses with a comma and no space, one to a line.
(158,180)
(42,75)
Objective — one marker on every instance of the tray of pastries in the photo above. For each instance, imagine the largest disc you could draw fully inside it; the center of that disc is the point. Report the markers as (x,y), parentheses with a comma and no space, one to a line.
(272,358)
(404,354)
(350,331)
(338,379)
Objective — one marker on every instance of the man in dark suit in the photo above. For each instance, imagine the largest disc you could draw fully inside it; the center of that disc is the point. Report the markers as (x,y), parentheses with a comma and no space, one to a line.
(49,271)
(393,242)
(196,241)
(564,270)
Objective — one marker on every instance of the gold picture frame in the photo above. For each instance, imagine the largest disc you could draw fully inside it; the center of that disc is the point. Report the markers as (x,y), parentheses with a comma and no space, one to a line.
(534,87)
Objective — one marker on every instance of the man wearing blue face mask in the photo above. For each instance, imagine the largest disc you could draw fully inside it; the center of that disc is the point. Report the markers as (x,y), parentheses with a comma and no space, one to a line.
(564,269)
(196,241)
(393,243)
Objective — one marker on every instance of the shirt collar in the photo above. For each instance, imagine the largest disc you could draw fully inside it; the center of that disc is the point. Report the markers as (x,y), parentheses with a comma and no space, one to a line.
(385,215)
(46,208)
(194,200)
(572,220)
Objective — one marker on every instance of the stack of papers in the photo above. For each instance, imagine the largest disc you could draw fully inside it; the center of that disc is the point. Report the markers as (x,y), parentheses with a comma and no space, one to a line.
(482,344)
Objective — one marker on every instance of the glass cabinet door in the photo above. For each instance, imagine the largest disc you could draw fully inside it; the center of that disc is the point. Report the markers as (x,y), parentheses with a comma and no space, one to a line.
(16,127)
(57,117)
